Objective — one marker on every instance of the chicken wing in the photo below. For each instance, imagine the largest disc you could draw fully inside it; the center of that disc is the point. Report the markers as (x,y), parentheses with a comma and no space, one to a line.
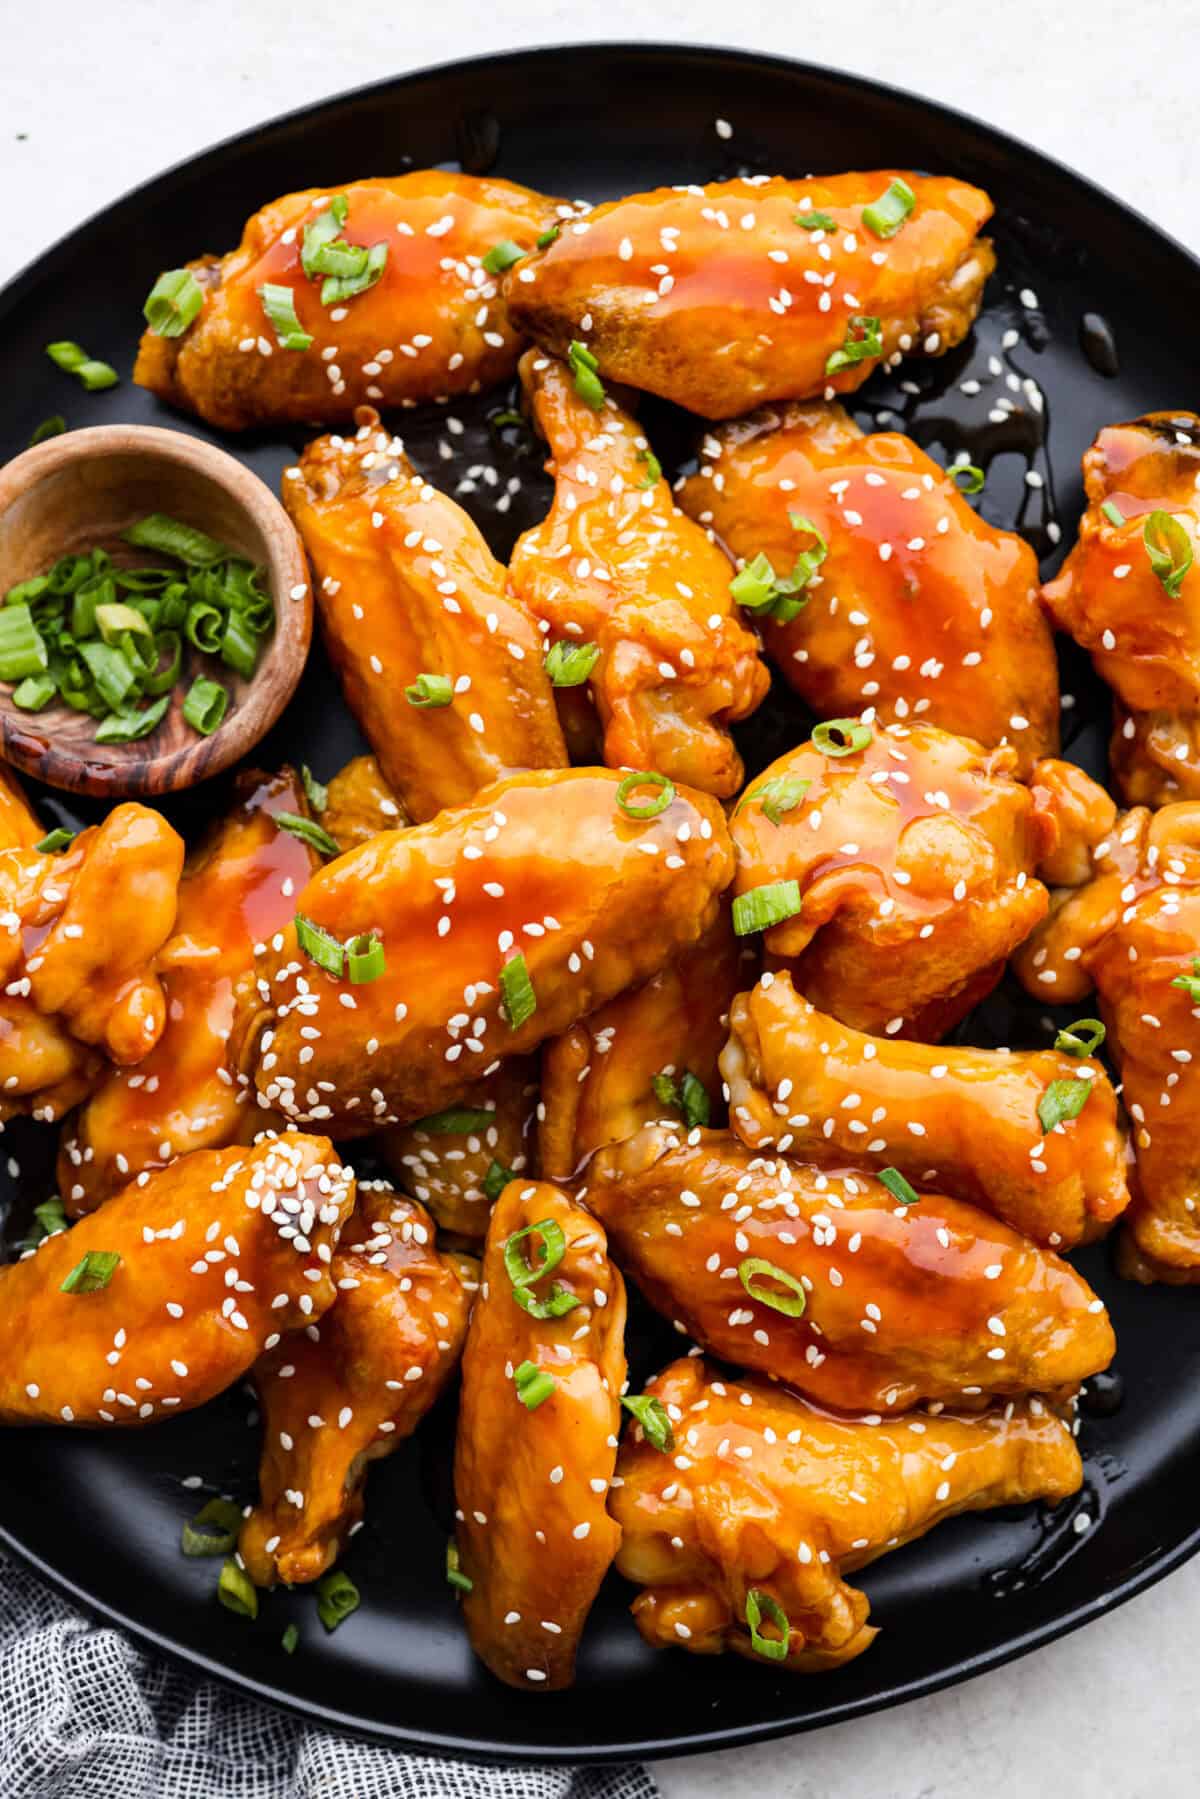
(166,1296)
(359,804)
(443,673)
(543,1374)
(642,1056)
(824,1280)
(744,1540)
(724,296)
(348,1391)
(238,888)
(917,608)
(500,924)
(616,565)
(422,321)
(1129,592)
(19,826)
(458,1161)
(904,866)
(1133,932)
(965,1121)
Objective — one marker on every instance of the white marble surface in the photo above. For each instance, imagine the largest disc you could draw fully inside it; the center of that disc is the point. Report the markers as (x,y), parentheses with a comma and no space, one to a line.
(94,98)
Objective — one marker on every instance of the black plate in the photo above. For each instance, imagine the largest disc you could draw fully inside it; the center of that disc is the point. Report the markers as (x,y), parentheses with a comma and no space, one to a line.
(100,1515)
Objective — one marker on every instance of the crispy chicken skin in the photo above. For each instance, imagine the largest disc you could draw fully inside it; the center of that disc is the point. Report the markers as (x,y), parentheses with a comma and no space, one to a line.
(914,860)
(544,866)
(716,298)
(359,804)
(1144,641)
(216,1261)
(446,1168)
(598,1078)
(935,1300)
(238,887)
(79,934)
(533,1535)
(919,608)
(1132,933)
(406,585)
(964,1121)
(349,1390)
(777,1498)
(617,564)
(432,326)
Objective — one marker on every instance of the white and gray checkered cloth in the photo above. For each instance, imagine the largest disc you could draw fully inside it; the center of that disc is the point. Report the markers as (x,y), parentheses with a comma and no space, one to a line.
(85,1714)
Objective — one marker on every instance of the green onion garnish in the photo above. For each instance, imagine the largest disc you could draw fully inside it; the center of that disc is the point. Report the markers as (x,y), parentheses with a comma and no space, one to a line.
(131,725)
(496,1180)
(349,269)
(315,792)
(651,1414)
(516,991)
(816,221)
(773,1649)
(365,958)
(548,237)
(173,303)
(886,215)
(584,368)
(1084,1037)
(51,1216)
(93,1274)
(76,361)
(336,288)
(34,692)
(337,1597)
(898,1187)
(326,951)
(663,794)
(308,832)
(860,348)
(523,1274)
(22,648)
(534,1385)
(1169,548)
(289,1640)
(760,591)
(171,537)
(214,1529)
(765,906)
(54,426)
(1190,982)
(55,841)
(967,477)
(236,1591)
(841,737)
(206,705)
(653,469)
(430,690)
(570,664)
(455,1121)
(1113,513)
(782,793)
(279,304)
(689,1096)
(791,1303)
(454,1573)
(501,256)
(322,231)
(1063,1100)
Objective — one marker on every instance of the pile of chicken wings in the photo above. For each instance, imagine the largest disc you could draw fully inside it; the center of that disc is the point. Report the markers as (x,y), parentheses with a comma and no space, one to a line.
(605,1010)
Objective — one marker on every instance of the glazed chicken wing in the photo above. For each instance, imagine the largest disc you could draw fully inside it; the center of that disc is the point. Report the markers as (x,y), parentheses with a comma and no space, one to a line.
(543,1373)
(964,1121)
(423,321)
(19,826)
(238,888)
(359,804)
(1129,592)
(826,1281)
(458,1161)
(912,861)
(618,566)
(407,588)
(773,1503)
(724,296)
(918,608)
(207,1263)
(348,1391)
(500,924)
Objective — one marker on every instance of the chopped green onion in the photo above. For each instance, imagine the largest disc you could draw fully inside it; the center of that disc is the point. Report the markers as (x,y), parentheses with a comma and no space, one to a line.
(653,469)
(236,1591)
(570,664)
(365,958)
(112,672)
(205,706)
(584,368)
(56,840)
(754,585)
(315,792)
(214,1529)
(337,1597)
(430,690)
(322,231)
(860,348)
(279,304)
(896,1185)
(523,1274)
(516,991)
(1190,982)
(841,737)
(1084,1037)
(782,793)
(54,426)
(93,1274)
(791,1303)
(50,1218)
(663,794)
(22,649)
(652,1415)
(815,221)
(454,1573)
(759,590)
(548,237)
(1169,548)
(502,255)
(534,1385)
(326,951)
(496,1180)
(975,477)
(886,215)
(765,906)
(162,676)
(1063,1100)
(1113,513)
(289,1640)
(76,361)
(689,1096)
(239,651)
(130,727)
(173,303)
(336,288)
(772,1649)
(204,626)
(158,531)
(455,1121)
(307,832)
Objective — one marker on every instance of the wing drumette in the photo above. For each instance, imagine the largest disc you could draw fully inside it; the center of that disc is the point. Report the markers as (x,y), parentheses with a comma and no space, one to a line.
(429,325)
(215,1256)
(349,1390)
(407,588)
(827,1282)
(962,1120)
(537,1435)
(724,296)
(617,565)
(771,1503)
(918,608)
(457,1161)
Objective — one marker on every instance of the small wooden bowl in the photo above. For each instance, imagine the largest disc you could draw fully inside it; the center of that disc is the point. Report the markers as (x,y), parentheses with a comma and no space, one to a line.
(79,492)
